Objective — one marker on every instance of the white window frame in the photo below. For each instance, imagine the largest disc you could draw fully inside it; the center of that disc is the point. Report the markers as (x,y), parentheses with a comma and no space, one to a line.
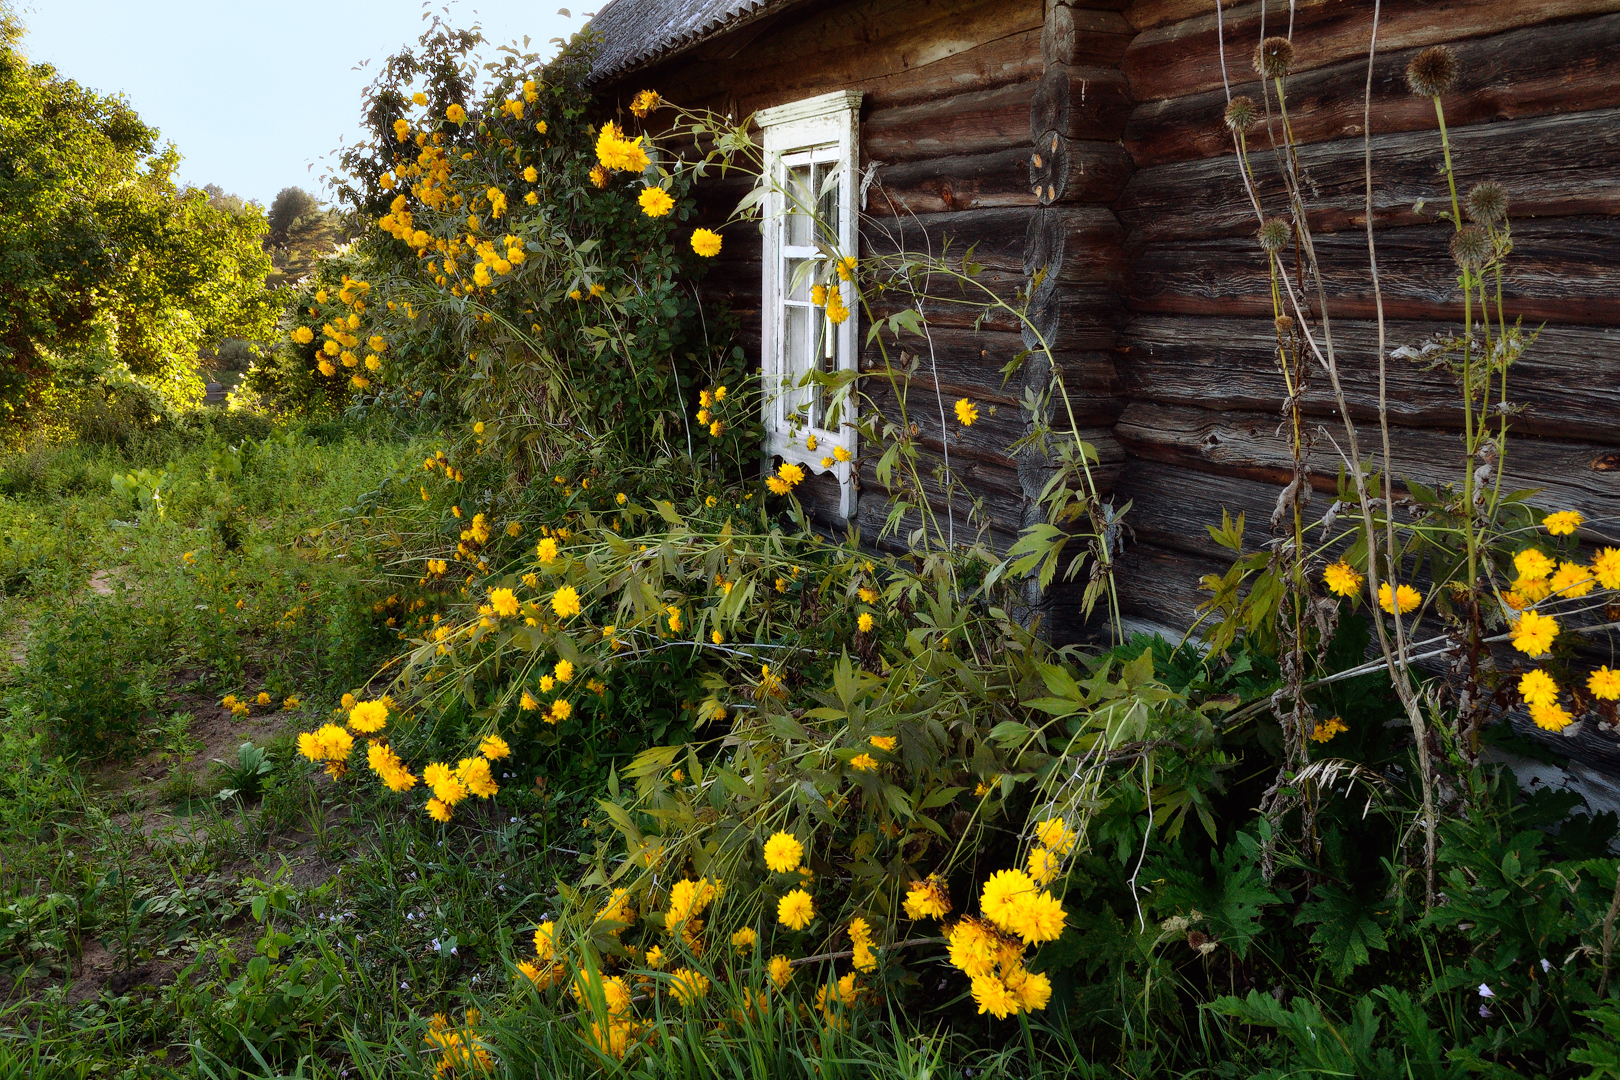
(823,129)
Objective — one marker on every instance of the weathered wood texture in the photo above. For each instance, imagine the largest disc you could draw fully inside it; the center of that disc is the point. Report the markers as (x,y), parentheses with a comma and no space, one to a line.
(1571,475)
(1563,270)
(1565,382)
(899,52)
(1552,166)
(1181,55)
(969,364)
(1090,172)
(1541,71)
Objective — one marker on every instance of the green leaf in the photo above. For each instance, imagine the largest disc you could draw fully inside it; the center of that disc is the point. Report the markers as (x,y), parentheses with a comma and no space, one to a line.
(1346,928)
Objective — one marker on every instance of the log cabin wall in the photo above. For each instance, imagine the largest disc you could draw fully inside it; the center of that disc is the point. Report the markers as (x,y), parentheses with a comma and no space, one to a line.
(989,123)
(1086,138)
(1536,106)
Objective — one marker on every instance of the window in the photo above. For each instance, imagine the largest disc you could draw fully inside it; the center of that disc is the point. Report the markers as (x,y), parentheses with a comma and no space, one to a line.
(810,150)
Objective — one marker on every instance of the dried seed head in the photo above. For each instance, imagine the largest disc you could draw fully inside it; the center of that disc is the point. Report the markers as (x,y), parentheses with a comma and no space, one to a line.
(1471,247)
(1241,113)
(1285,325)
(1432,71)
(1275,234)
(1487,202)
(1273,57)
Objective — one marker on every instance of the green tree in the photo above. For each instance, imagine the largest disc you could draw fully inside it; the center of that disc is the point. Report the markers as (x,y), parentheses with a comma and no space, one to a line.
(291,203)
(96,240)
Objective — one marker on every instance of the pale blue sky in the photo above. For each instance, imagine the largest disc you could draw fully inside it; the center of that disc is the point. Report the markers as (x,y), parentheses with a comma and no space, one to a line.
(254,93)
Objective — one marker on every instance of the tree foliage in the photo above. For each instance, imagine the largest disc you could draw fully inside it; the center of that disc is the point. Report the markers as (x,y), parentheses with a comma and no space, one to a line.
(97,241)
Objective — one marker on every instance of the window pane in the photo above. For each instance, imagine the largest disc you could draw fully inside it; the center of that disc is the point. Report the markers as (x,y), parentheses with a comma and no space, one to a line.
(796,279)
(797,325)
(827,205)
(801,198)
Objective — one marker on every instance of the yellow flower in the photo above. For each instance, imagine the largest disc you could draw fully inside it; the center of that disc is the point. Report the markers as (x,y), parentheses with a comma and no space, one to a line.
(644,103)
(1001,892)
(993,997)
(474,775)
(504,601)
(790,473)
(303,335)
(864,762)
(291,702)
(545,940)
(688,987)
(1604,684)
(655,202)
(1324,732)
(781,971)
(966,412)
(494,747)
(1538,688)
(1043,866)
(1531,589)
(402,128)
(368,716)
(674,619)
(865,622)
(846,268)
(884,742)
(927,898)
(438,810)
(840,454)
(1564,522)
(1410,598)
(456,114)
(1553,717)
(783,852)
(1606,568)
(867,594)
(1571,581)
(796,910)
(1030,989)
(561,710)
(1532,563)
(744,940)
(1342,578)
(1533,633)
(565,602)
(529,703)
(706,242)
(1055,833)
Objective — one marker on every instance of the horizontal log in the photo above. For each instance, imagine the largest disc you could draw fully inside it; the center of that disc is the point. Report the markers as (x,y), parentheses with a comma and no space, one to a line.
(1540,71)
(899,51)
(991,437)
(1570,475)
(969,364)
(1561,270)
(1564,382)
(1080,103)
(959,182)
(1089,172)
(1147,14)
(1162,586)
(1081,37)
(1171,507)
(960,521)
(1552,166)
(1184,57)
(977,122)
